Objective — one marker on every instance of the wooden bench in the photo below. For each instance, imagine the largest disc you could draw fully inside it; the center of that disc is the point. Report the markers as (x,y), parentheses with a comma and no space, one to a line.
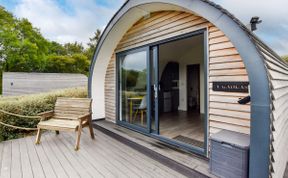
(69,114)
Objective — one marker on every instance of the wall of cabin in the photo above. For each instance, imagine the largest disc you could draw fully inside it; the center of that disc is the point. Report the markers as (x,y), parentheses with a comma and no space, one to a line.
(225,64)
(278,74)
(110,90)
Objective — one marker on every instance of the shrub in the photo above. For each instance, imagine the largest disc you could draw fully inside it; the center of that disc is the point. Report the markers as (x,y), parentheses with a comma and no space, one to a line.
(285,58)
(30,105)
(77,63)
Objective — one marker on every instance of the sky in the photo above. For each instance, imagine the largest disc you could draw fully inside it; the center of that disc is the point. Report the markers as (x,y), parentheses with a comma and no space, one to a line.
(76,20)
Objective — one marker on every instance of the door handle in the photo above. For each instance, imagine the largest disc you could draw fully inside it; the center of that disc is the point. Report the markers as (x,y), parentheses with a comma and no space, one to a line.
(155,92)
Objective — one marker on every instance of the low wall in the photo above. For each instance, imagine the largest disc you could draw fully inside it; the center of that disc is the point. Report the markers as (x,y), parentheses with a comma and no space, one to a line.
(18,83)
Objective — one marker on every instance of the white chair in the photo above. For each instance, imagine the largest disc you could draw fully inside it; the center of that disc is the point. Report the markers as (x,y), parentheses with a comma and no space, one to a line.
(142,108)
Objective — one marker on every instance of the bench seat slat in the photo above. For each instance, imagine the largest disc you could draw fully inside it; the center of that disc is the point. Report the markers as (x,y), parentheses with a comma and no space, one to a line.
(67,109)
(66,116)
(59,123)
(79,107)
(75,104)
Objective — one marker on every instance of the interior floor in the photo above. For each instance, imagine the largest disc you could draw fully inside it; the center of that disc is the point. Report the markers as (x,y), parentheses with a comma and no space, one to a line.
(183,126)
(189,125)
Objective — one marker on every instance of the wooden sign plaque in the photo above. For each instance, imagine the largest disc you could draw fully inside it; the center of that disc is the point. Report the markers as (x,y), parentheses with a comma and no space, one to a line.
(242,87)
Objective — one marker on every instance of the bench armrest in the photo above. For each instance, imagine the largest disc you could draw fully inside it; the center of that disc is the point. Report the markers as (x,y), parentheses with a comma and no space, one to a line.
(46,114)
(85,116)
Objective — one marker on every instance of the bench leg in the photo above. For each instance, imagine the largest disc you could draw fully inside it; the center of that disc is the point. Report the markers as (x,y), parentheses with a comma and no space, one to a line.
(57,132)
(78,138)
(91,129)
(38,137)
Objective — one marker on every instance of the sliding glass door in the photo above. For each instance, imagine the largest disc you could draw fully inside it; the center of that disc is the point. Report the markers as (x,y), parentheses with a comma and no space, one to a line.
(154,82)
(162,91)
(132,88)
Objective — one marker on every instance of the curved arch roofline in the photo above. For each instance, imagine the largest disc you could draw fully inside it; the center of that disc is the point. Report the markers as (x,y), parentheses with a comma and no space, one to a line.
(242,39)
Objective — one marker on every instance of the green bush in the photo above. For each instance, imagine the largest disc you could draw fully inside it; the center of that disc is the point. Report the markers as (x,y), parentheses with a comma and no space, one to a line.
(77,63)
(285,58)
(30,105)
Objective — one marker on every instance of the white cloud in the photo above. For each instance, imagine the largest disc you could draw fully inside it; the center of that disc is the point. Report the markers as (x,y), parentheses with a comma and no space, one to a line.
(87,16)
(58,25)
(274,28)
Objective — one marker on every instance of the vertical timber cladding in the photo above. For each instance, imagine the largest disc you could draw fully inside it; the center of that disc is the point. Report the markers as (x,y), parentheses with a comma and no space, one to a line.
(225,64)
(110,90)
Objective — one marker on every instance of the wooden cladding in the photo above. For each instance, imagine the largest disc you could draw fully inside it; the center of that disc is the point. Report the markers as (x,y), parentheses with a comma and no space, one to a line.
(110,89)
(278,77)
(225,64)
(161,25)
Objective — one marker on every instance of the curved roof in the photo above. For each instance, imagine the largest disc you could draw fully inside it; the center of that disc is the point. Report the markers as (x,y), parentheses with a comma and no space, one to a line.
(256,40)
(252,50)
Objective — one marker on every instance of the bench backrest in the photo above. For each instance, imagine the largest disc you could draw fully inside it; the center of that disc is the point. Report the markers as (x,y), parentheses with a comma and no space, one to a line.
(72,108)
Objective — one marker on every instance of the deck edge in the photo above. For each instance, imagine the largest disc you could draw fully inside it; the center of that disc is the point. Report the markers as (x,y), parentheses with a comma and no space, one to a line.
(176,166)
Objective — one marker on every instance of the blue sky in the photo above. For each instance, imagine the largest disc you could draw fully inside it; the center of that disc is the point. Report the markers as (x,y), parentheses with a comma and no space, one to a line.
(76,20)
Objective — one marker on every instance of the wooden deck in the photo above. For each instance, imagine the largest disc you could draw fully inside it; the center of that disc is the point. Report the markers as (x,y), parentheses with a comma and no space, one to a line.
(182,161)
(55,157)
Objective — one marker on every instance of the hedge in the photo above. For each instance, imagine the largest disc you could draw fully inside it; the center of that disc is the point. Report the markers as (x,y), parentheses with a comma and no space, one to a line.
(285,58)
(30,105)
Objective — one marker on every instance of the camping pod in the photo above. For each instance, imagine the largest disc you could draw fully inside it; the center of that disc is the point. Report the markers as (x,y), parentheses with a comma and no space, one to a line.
(184,70)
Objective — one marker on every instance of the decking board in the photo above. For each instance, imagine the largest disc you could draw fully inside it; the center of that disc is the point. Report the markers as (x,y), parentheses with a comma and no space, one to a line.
(56,164)
(6,160)
(61,158)
(193,162)
(152,167)
(34,160)
(55,157)
(1,155)
(25,161)
(16,160)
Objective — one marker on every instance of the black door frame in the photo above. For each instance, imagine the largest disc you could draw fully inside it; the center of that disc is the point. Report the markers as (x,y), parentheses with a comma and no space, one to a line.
(148,131)
(148,90)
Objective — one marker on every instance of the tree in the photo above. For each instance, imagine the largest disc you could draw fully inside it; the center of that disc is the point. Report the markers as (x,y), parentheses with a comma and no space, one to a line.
(92,44)
(7,26)
(59,64)
(22,47)
(94,40)
(78,63)
(56,49)
(73,48)
(285,58)
(81,63)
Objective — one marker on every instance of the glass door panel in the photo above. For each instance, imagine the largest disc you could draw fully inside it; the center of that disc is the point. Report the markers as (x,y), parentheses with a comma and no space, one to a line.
(132,72)
(157,92)
(181,99)
(155,89)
